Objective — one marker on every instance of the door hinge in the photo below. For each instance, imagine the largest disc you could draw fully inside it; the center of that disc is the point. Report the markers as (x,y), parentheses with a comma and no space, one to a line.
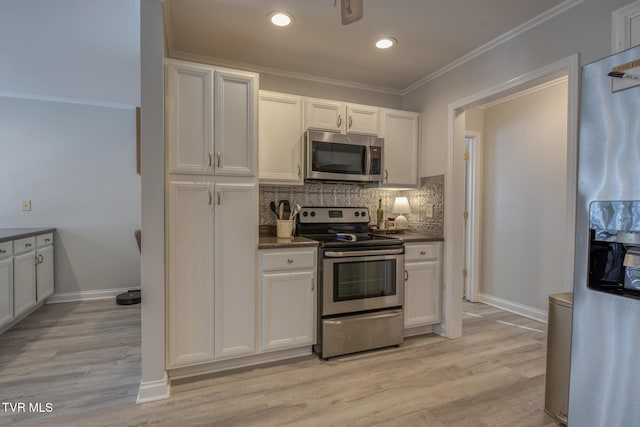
(466,215)
(466,156)
(465,273)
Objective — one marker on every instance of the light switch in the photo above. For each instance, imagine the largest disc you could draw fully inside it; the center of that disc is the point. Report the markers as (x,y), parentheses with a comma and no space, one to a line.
(26,205)
(428,208)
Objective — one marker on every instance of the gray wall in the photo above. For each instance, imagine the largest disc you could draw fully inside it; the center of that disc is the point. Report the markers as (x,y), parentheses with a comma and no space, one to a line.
(584,29)
(69,84)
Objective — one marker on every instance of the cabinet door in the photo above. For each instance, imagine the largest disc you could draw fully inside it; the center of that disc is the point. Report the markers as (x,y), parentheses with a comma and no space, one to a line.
(281,138)
(190,294)
(189,116)
(422,294)
(324,115)
(236,238)
(6,291)
(44,273)
(400,131)
(236,123)
(24,279)
(288,310)
(362,119)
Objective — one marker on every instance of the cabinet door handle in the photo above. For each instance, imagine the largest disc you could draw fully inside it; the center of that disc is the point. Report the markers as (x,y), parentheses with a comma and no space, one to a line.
(299,171)
(210,198)
(219,158)
(35,260)
(350,121)
(40,258)
(313,284)
(423,252)
(47,240)
(219,197)
(339,120)
(27,245)
(290,260)
(210,158)
(3,251)
(406,275)
(386,176)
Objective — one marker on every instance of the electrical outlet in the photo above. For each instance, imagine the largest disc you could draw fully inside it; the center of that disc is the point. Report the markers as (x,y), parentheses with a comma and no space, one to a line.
(428,210)
(26,205)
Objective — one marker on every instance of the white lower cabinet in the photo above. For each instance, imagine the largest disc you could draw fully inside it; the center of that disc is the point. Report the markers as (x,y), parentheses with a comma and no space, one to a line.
(212,236)
(423,283)
(44,267)
(288,293)
(6,284)
(24,275)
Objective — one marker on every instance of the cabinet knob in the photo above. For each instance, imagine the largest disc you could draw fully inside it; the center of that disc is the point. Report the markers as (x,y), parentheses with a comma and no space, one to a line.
(423,252)
(290,261)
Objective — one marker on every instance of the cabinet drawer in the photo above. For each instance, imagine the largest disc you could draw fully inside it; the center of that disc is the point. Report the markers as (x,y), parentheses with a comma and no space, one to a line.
(422,252)
(44,240)
(290,260)
(24,245)
(6,249)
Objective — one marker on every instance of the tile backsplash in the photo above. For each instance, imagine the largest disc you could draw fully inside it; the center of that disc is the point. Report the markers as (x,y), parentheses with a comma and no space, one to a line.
(431,192)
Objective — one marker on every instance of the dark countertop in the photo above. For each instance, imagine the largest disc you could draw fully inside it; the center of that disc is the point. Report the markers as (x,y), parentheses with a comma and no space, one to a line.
(411,237)
(20,233)
(275,243)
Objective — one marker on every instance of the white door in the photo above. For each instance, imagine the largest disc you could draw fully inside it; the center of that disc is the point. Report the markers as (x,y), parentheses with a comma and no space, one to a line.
(236,238)
(190,262)
(362,119)
(6,291)
(24,275)
(422,294)
(280,138)
(324,115)
(189,116)
(400,130)
(288,310)
(236,123)
(44,273)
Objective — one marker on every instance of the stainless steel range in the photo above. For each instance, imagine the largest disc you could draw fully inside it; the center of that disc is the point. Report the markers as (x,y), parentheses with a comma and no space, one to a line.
(361,279)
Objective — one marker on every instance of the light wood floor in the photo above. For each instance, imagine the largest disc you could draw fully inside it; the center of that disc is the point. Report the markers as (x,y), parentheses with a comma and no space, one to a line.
(85,359)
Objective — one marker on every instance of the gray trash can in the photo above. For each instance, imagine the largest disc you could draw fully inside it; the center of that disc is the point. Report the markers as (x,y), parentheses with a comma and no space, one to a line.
(556,394)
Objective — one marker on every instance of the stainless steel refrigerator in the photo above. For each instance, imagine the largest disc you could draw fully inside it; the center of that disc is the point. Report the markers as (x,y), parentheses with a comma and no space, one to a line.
(605,352)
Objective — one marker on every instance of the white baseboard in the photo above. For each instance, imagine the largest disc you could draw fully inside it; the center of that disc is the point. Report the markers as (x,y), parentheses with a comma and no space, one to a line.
(154,390)
(514,307)
(100,294)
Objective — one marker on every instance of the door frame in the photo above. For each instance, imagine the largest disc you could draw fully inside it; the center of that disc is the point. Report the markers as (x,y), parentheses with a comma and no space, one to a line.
(451,326)
(473,239)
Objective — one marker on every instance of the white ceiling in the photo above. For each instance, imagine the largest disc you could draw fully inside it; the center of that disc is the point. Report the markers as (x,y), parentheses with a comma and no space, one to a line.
(430,34)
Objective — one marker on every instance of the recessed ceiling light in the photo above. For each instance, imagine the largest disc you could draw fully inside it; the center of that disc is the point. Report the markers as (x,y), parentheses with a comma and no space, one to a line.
(281,19)
(386,43)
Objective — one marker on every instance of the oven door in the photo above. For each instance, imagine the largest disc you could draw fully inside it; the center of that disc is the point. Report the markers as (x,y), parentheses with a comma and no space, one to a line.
(362,280)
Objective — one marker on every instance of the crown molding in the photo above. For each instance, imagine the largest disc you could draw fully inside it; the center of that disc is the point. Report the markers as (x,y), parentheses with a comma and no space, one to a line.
(187,56)
(64,100)
(532,23)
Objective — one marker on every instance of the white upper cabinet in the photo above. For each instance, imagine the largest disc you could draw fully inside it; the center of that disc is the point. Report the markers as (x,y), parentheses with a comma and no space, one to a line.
(400,130)
(362,119)
(189,116)
(236,123)
(281,139)
(212,120)
(321,114)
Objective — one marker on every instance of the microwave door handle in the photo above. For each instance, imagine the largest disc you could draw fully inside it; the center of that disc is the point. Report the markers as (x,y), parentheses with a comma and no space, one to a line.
(367,170)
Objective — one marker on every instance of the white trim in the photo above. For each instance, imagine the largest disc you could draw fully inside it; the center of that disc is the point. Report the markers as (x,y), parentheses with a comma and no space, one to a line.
(100,294)
(514,307)
(475,218)
(525,92)
(621,26)
(177,54)
(454,240)
(65,100)
(154,390)
(532,23)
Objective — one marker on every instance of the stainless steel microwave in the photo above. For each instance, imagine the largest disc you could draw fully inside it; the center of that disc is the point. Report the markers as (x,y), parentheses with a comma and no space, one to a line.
(337,157)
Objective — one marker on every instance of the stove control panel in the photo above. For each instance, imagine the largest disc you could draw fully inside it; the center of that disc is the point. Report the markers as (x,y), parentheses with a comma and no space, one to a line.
(339,215)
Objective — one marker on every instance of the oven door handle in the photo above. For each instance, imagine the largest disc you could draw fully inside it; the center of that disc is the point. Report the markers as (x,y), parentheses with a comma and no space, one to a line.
(343,254)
